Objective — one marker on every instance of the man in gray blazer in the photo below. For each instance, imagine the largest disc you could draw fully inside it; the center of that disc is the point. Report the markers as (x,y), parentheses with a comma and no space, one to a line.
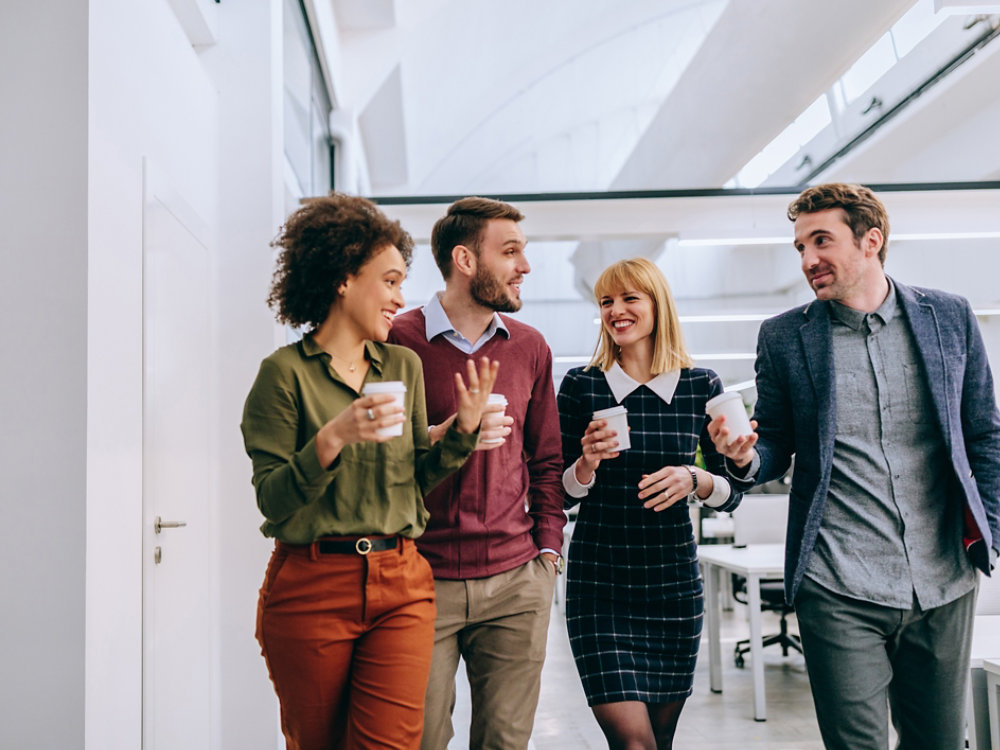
(884,395)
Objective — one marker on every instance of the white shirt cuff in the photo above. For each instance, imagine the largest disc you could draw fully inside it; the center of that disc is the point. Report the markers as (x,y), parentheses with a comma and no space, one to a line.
(720,492)
(572,485)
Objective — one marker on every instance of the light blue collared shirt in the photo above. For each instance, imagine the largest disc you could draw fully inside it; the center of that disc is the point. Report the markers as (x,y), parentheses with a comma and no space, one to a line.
(436,322)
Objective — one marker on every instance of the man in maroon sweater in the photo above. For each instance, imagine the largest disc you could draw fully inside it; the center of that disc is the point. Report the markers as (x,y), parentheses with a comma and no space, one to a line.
(494,539)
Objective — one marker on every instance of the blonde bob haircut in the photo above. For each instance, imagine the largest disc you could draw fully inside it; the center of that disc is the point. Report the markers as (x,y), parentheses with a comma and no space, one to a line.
(640,275)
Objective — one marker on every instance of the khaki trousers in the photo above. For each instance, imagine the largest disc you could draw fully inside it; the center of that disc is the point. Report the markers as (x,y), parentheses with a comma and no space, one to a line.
(347,640)
(498,626)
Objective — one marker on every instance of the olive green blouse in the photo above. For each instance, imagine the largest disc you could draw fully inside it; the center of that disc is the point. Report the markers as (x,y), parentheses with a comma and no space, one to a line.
(371,488)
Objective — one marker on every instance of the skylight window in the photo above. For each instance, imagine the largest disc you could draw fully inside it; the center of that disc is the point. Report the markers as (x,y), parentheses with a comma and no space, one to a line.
(915,26)
(869,68)
(788,142)
(911,29)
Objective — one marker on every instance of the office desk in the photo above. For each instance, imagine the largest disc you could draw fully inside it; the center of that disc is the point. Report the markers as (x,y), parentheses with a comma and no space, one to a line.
(754,562)
(985,649)
(992,667)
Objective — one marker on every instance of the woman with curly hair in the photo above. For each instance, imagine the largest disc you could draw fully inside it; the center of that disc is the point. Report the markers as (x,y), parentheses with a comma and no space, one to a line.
(345,618)
(634,599)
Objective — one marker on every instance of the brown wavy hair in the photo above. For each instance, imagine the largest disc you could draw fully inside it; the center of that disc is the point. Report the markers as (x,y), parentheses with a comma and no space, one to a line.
(863,208)
(463,225)
(323,243)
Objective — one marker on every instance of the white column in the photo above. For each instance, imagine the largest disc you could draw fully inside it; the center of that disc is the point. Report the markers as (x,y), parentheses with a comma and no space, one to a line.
(43,378)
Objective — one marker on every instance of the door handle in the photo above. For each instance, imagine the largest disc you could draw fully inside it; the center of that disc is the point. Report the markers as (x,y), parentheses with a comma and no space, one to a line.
(159,524)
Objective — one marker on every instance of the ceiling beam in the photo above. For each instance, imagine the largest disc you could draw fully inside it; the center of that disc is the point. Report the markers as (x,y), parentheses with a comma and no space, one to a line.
(720,217)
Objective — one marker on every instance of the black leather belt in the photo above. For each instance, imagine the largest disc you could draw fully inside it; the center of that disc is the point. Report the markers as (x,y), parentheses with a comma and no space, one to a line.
(361,546)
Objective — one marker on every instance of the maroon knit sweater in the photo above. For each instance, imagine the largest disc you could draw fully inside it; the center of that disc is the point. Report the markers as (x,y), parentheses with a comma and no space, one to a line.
(503,505)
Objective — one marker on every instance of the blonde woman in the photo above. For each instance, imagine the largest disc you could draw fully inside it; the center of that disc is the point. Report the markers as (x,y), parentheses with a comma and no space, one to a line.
(634,600)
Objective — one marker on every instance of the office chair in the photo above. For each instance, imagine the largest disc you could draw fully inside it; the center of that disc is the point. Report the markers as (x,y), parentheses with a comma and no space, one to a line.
(761,519)
(772,599)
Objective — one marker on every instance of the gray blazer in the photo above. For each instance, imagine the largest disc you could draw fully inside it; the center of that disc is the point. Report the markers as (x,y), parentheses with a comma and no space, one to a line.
(796,414)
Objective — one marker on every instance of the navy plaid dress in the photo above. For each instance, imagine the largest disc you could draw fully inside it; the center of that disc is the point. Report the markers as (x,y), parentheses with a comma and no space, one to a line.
(634,600)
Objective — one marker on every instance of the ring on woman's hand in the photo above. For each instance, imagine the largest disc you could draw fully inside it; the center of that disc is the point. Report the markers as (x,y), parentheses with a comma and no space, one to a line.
(371,415)
(473,390)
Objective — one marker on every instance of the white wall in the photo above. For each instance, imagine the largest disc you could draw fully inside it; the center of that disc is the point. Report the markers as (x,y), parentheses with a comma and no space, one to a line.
(43,381)
(208,119)
(246,69)
(89,91)
(149,98)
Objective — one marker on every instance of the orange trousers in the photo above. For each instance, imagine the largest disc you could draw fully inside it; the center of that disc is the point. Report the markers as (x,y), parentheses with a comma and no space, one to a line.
(347,639)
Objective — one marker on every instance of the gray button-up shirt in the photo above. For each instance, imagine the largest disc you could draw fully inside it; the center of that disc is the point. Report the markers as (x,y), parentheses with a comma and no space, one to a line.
(889,534)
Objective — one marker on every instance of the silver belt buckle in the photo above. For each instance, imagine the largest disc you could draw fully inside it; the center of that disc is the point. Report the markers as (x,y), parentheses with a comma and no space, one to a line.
(363,546)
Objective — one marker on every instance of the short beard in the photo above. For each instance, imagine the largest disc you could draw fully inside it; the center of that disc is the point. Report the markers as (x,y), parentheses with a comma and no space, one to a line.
(490,293)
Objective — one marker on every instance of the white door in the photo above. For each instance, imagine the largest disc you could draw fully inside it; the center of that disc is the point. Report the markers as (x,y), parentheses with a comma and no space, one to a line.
(177,378)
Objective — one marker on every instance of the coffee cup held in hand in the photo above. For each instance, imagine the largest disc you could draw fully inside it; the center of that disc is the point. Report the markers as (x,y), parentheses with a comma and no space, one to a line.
(496,398)
(398,390)
(730,405)
(617,419)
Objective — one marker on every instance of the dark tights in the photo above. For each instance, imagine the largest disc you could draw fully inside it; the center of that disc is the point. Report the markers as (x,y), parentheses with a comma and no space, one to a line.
(633,725)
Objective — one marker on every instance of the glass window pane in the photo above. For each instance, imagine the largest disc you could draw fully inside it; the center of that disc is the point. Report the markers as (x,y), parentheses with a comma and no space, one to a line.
(815,117)
(915,26)
(306,106)
(869,68)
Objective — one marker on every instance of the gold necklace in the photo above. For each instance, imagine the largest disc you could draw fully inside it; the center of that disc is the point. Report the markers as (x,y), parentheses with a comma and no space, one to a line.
(350,364)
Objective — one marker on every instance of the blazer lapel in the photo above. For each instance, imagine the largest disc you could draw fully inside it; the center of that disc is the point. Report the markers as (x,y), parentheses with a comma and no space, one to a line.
(817,345)
(924,327)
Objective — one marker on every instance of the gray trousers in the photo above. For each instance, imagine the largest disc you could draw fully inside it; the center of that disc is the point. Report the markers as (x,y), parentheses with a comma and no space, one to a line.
(865,659)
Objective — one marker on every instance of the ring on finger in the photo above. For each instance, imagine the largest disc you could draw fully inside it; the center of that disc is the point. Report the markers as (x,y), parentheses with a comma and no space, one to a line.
(473,390)
(371,415)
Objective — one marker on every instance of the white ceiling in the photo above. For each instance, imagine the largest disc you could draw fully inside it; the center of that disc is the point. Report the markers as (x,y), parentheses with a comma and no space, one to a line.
(471,96)
(461,97)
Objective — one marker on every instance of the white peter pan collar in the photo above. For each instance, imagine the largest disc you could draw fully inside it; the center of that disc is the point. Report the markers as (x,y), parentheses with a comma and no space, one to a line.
(622,384)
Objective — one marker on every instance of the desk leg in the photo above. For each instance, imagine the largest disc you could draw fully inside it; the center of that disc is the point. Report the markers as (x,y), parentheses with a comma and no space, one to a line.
(993,691)
(977,716)
(756,648)
(712,614)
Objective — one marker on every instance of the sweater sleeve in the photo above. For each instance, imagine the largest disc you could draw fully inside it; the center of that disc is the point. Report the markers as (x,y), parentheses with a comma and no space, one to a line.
(543,453)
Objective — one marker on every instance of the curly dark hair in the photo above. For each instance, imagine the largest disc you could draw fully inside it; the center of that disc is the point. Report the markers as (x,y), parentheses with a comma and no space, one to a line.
(323,243)
(464,224)
(863,208)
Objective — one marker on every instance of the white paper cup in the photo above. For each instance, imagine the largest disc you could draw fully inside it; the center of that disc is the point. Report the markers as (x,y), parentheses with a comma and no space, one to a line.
(617,417)
(496,398)
(398,390)
(730,405)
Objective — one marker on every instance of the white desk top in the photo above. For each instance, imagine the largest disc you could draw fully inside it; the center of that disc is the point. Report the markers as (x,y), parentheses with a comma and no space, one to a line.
(985,641)
(758,559)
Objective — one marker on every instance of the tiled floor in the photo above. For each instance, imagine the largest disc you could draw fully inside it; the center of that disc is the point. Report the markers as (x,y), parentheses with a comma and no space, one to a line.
(709,722)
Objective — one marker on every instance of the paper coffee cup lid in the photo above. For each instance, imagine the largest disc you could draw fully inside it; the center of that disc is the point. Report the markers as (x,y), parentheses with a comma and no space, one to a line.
(602,413)
(387,386)
(721,398)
